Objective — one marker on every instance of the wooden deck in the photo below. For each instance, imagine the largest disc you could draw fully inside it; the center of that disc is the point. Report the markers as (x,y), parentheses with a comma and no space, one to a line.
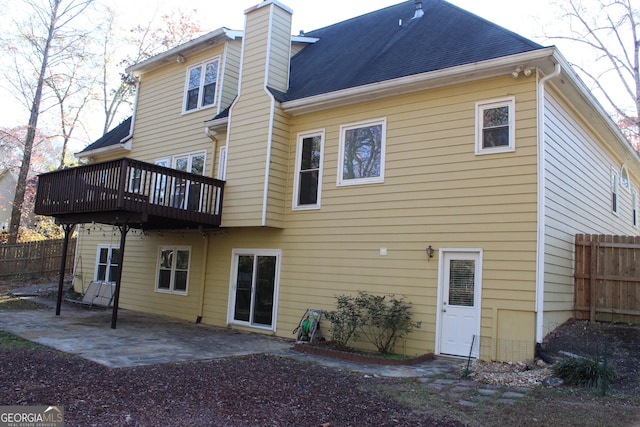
(128,191)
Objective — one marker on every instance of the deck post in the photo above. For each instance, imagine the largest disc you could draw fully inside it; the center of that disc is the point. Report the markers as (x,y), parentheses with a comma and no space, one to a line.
(124,229)
(68,228)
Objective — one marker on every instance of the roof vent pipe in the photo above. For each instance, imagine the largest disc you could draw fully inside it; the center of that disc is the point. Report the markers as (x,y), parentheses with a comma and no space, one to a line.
(419,12)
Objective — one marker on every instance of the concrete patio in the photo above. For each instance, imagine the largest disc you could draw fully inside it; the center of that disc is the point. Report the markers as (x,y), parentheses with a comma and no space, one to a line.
(146,339)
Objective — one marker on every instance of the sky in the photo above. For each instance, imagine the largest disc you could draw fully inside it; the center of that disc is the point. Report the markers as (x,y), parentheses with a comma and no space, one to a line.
(310,15)
(520,17)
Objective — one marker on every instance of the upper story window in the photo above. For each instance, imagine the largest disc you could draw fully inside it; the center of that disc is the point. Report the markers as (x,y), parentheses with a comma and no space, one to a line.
(200,90)
(362,152)
(614,191)
(308,178)
(624,178)
(495,126)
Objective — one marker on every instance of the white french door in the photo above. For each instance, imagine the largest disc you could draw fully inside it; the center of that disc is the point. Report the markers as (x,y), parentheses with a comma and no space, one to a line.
(254,288)
(460,285)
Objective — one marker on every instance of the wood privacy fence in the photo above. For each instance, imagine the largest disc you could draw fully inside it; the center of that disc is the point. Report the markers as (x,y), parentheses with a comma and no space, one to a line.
(607,278)
(32,259)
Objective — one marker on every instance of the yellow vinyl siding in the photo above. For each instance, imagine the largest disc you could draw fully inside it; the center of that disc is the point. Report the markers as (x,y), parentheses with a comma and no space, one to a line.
(139,268)
(436,192)
(230,74)
(258,139)
(280,50)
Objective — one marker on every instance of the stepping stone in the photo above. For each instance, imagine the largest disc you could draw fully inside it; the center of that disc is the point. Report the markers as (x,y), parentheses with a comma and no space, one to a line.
(512,394)
(487,392)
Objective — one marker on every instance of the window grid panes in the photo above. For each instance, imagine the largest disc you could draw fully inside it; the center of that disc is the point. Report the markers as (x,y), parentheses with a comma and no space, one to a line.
(173,269)
(201,85)
(107,263)
(309,176)
(495,126)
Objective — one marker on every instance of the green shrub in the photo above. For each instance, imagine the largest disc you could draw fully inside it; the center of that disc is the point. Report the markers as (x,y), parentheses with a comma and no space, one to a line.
(584,371)
(344,321)
(381,320)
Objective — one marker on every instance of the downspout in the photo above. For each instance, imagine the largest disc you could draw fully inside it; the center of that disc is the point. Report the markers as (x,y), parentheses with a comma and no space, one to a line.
(267,169)
(542,159)
(203,279)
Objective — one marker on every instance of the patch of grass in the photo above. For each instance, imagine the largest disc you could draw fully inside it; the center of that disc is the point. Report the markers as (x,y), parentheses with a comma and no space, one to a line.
(9,341)
(13,303)
(540,406)
(584,371)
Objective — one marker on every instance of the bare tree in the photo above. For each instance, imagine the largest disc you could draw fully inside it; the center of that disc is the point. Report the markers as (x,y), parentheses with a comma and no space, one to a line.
(44,43)
(120,50)
(72,89)
(610,31)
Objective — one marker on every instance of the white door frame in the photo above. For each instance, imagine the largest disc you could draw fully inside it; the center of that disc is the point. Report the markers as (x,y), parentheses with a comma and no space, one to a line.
(235,255)
(440,298)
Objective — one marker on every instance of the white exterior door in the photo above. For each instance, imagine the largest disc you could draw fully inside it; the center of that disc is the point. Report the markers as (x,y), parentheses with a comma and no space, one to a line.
(459,302)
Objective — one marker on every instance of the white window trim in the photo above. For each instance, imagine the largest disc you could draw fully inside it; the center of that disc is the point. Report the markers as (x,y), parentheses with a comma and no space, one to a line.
(235,254)
(190,157)
(625,184)
(509,102)
(111,247)
(634,207)
(171,289)
(296,178)
(383,148)
(164,161)
(615,191)
(201,87)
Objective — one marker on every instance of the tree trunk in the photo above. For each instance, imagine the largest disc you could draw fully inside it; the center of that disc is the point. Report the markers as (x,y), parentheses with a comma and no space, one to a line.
(16,211)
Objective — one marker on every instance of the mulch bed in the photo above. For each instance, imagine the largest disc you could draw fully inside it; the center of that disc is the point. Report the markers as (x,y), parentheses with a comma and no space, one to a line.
(325,349)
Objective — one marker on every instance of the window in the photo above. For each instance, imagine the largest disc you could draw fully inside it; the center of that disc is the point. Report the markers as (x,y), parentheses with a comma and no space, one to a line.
(254,287)
(186,194)
(624,178)
(495,126)
(308,178)
(107,263)
(362,151)
(173,269)
(136,180)
(634,208)
(614,191)
(200,90)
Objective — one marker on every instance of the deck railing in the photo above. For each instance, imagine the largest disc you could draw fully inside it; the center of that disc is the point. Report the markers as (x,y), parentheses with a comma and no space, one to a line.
(132,186)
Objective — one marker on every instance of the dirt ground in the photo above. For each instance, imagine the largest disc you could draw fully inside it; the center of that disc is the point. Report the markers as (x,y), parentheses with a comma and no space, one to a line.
(265,390)
(619,344)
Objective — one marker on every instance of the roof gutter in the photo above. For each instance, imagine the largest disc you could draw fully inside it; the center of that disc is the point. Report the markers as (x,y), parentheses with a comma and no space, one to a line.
(191,47)
(432,79)
(122,147)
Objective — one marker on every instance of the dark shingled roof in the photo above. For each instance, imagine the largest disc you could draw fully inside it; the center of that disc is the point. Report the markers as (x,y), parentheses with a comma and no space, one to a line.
(113,137)
(375,47)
